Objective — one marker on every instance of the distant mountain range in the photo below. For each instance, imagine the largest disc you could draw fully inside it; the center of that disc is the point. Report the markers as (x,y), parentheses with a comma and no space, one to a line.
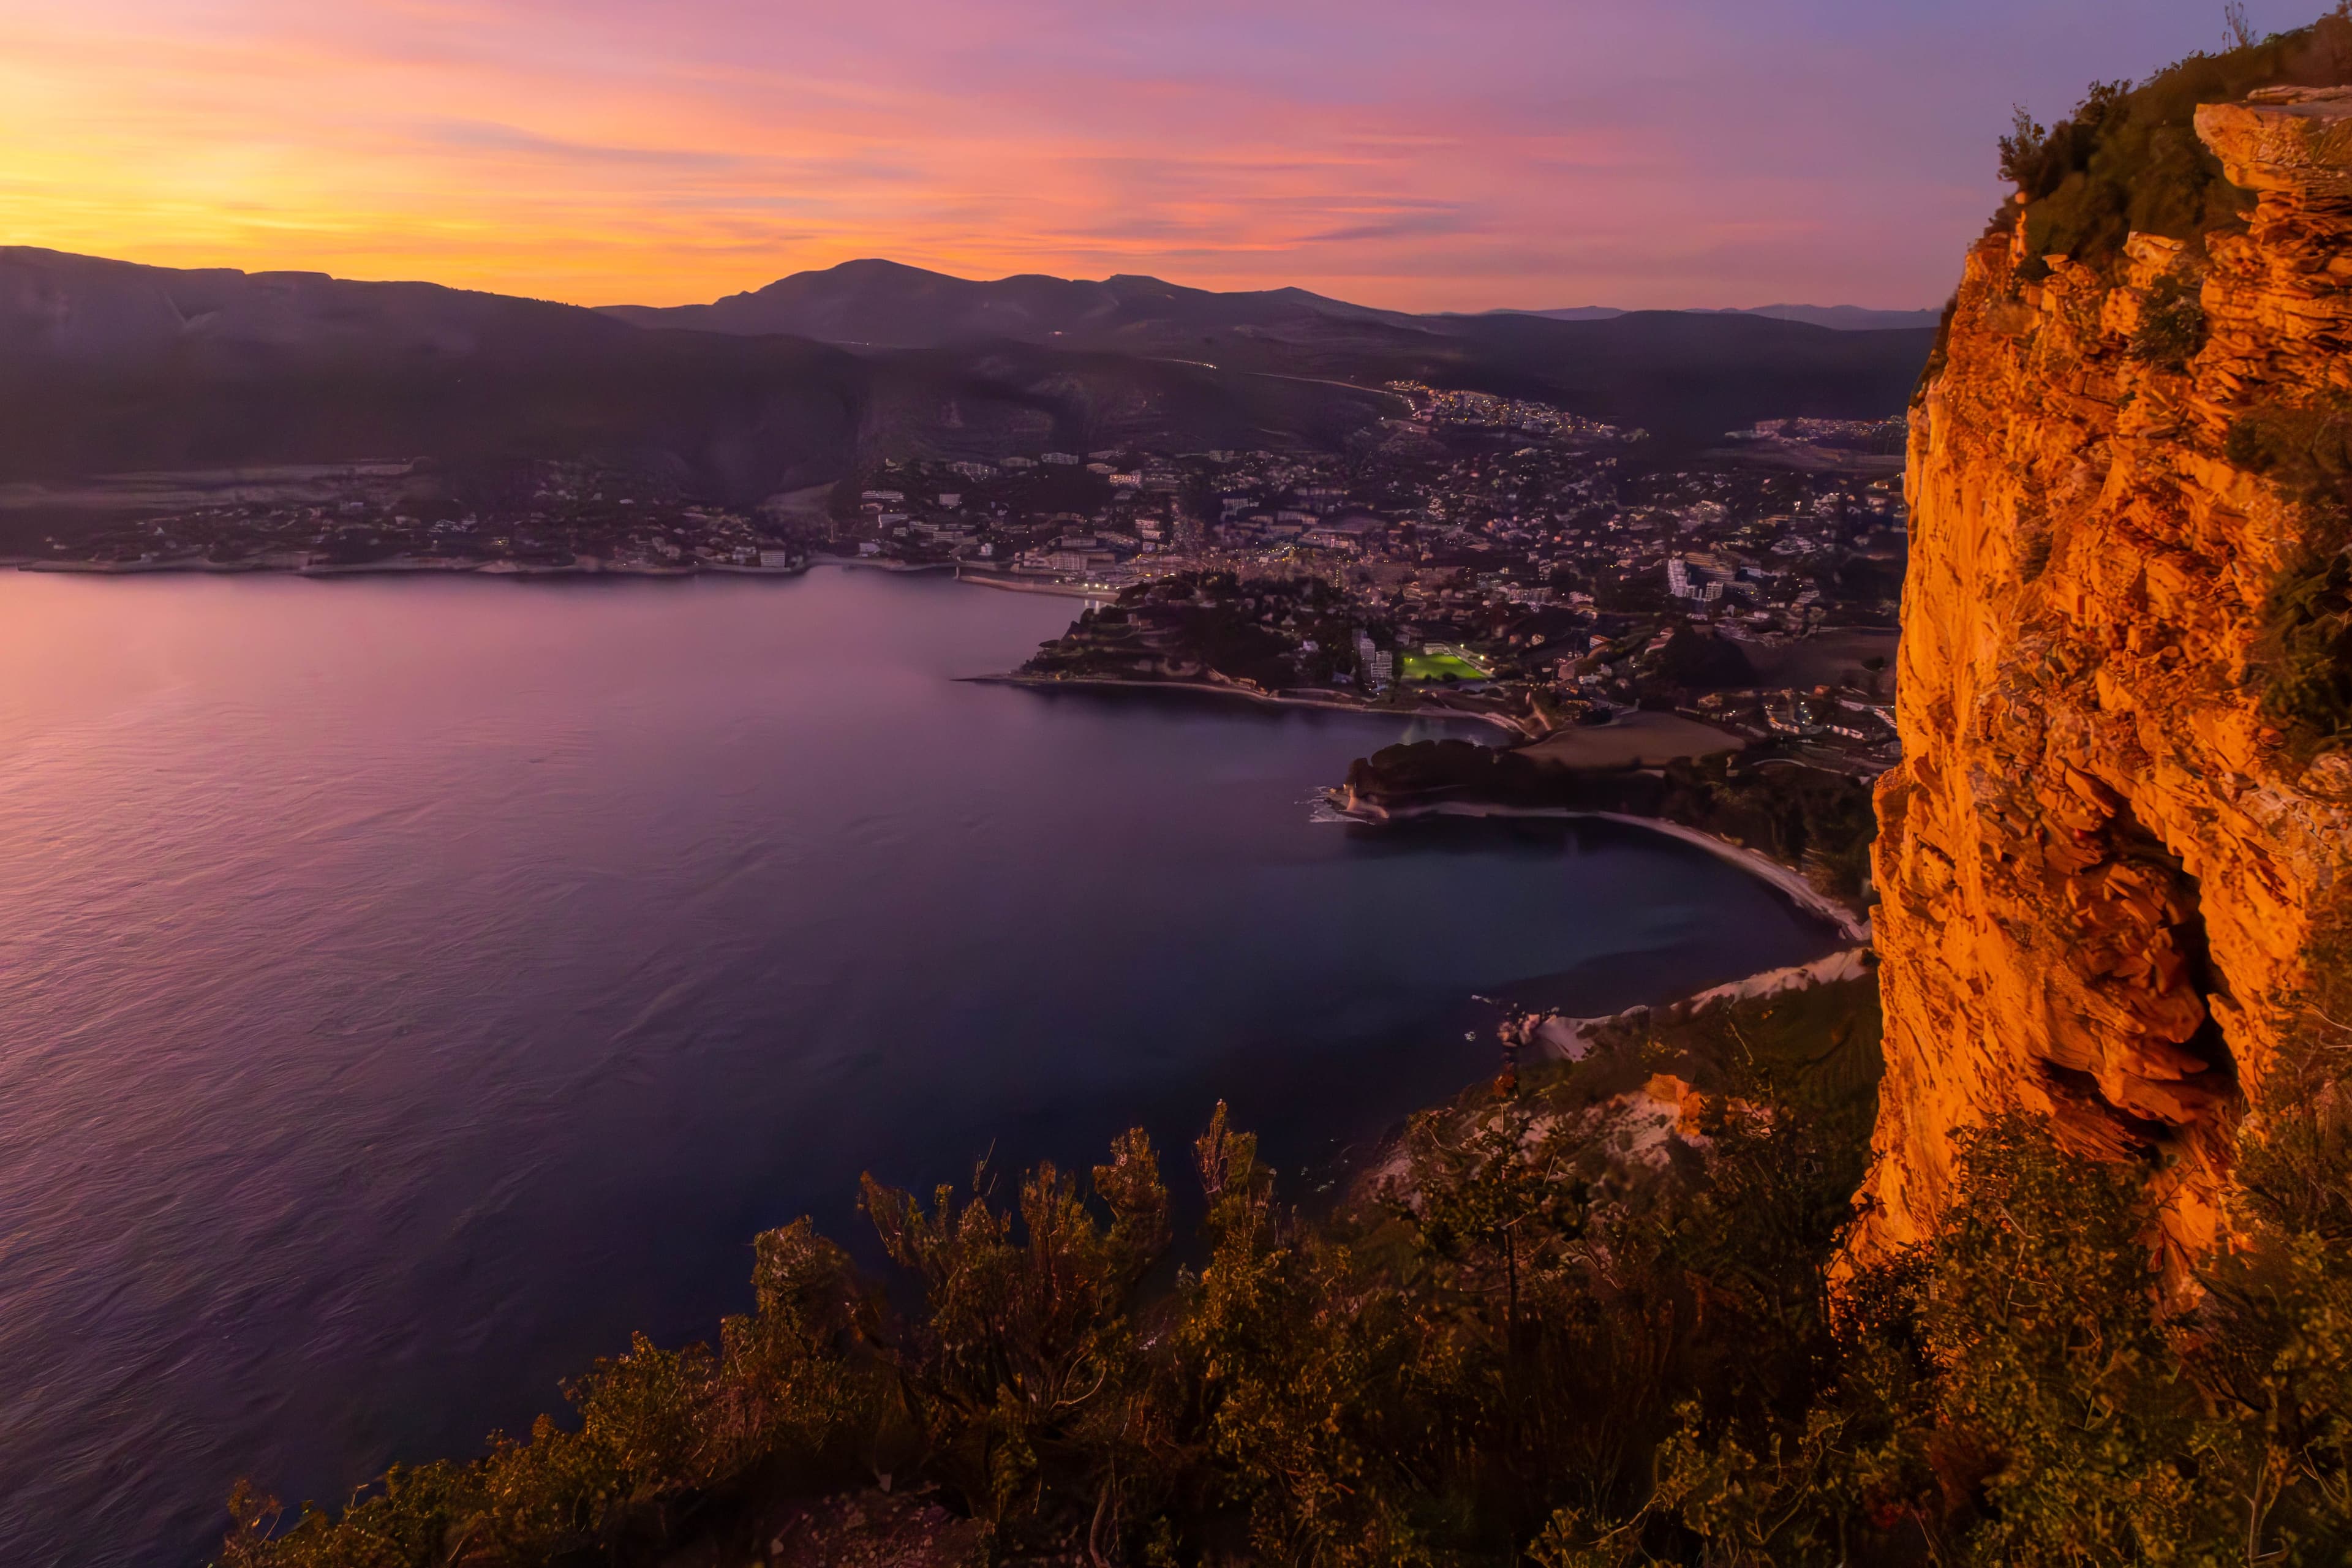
(110,366)
(884,304)
(1836,317)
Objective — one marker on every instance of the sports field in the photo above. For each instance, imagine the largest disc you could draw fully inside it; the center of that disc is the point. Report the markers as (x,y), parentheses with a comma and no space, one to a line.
(1437,667)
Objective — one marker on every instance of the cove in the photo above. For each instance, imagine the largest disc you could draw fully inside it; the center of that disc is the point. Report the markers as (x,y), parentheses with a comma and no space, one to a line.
(408,988)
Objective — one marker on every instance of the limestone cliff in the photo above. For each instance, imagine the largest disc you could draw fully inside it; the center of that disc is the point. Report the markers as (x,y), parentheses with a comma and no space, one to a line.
(2106,867)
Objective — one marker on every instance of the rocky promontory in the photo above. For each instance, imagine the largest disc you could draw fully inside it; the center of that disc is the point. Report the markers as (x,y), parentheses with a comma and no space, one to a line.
(1806,821)
(2114,860)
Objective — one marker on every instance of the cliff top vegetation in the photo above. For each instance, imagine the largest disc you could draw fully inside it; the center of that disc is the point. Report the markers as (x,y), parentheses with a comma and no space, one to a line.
(2127,159)
(1517,1355)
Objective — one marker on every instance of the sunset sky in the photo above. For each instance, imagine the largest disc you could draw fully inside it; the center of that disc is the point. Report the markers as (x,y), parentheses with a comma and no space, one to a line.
(1434,155)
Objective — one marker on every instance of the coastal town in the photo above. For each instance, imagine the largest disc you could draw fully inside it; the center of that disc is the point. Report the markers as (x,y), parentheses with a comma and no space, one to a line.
(1485,558)
(534,519)
(1489,559)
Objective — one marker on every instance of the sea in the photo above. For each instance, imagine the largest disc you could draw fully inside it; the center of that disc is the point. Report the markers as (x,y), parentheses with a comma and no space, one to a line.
(409,987)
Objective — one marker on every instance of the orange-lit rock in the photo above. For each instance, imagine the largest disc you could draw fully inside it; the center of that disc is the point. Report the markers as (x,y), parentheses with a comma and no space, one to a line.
(2102,875)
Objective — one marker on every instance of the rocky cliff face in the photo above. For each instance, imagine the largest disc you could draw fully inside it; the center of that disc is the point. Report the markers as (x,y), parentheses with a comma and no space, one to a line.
(2108,878)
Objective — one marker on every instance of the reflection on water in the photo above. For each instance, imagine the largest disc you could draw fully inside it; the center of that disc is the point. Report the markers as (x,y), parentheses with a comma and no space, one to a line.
(407,988)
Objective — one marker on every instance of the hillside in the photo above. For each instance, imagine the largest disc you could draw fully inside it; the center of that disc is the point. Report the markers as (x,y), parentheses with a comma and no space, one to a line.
(109,368)
(1686,374)
(1838,318)
(883,304)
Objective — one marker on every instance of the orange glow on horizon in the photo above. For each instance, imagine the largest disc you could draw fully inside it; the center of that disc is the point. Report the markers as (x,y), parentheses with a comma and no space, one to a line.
(604,151)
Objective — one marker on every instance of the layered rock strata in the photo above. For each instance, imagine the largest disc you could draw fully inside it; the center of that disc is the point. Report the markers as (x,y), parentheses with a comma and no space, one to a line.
(2104,876)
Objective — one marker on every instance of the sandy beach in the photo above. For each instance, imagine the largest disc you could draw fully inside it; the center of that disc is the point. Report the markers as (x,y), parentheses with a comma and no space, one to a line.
(1854,927)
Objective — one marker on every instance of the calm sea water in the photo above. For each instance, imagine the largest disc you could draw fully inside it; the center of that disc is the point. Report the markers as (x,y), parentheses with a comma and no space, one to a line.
(407,988)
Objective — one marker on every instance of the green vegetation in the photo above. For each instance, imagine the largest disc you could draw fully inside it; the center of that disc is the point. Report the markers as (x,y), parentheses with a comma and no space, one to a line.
(1817,1050)
(1425,773)
(1437,667)
(1939,354)
(1190,625)
(1698,661)
(1530,1348)
(2127,159)
(1803,816)
(2306,667)
(2172,323)
(2308,651)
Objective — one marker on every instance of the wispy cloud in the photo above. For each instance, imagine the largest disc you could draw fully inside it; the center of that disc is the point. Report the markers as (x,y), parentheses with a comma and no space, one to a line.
(1488,153)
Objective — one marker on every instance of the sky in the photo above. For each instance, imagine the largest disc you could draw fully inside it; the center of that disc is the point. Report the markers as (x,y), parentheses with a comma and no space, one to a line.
(1418,154)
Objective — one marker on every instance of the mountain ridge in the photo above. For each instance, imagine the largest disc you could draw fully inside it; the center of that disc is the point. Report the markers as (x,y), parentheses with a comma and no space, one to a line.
(877,303)
(797,304)
(108,367)
(1836,317)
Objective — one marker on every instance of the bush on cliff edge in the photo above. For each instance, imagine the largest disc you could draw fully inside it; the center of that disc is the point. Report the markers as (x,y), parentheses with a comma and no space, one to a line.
(1516,1356)
(2127,158)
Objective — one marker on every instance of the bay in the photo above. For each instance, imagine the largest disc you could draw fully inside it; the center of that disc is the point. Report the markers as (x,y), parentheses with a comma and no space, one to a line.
(409,987)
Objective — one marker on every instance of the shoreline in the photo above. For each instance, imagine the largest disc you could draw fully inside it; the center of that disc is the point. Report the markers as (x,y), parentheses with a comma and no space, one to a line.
(1562,1038)
(876,564)
(1051,683)
(1559,1037)
(394,566)
(1050,587)
(1791,884)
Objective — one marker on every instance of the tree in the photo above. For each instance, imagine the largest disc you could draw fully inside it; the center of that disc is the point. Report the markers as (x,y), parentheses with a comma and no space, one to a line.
(2022,148)
(1025,1372)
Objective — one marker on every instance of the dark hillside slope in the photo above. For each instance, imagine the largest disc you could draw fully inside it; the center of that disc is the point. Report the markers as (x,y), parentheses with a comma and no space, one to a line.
(1687,376)
(1684,376)
(1844,318)
(882,304)
(989,400)
(108,367)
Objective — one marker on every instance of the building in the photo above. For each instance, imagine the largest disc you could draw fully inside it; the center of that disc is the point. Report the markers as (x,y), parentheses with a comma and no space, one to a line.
(1685,582)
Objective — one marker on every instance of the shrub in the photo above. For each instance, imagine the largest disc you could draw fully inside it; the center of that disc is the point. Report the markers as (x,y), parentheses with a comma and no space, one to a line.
(2172,323)
(2060,1408)
(2304,658)
(2127,159)
(1024,1373)
(1521,1354)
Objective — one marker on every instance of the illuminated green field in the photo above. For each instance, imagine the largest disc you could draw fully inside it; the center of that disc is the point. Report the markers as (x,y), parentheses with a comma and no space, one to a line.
(1437,667)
